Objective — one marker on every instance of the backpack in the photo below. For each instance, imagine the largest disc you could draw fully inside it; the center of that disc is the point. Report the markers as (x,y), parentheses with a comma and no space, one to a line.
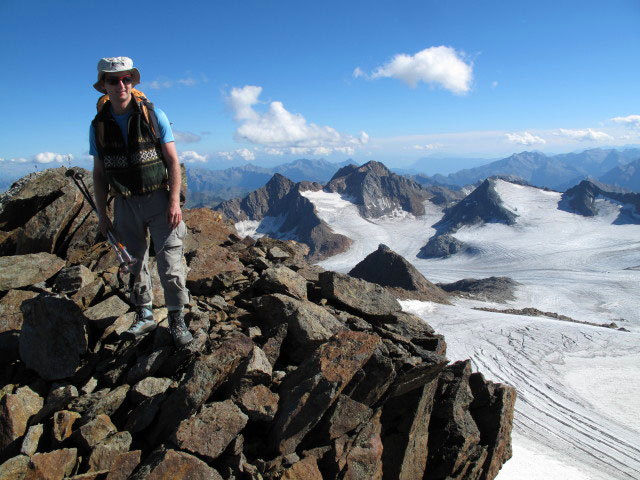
(150,116)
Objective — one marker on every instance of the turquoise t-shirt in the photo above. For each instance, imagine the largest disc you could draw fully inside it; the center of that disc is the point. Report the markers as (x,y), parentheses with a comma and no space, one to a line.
(166,135)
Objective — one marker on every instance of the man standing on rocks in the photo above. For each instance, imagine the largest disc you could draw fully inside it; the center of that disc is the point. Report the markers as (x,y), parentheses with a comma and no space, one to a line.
(142,171)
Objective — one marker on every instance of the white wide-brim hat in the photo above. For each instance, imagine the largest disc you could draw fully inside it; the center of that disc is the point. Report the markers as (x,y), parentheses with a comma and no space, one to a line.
(114,65)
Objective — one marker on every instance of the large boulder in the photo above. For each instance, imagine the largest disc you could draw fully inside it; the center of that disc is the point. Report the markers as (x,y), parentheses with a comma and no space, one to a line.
(309,325)
(206,264)
(385,267)
(364,298)
(206,228)
(209,432)
(22,270)
(16,409)
(201,379)
(166,464)
(308,392)
(53,336)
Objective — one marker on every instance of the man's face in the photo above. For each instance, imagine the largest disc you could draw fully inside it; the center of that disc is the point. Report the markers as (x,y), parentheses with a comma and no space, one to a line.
(118,85)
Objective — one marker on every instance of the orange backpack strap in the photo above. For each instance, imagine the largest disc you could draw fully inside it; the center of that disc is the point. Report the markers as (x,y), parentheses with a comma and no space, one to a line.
(149,113)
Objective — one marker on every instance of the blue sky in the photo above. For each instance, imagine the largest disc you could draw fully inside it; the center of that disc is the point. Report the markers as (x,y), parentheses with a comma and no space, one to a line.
(272,81)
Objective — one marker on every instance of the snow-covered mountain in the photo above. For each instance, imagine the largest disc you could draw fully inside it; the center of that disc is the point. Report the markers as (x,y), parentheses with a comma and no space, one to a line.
(577,368)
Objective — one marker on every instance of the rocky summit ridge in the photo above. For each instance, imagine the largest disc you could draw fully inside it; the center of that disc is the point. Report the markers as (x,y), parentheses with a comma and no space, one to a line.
(294,372)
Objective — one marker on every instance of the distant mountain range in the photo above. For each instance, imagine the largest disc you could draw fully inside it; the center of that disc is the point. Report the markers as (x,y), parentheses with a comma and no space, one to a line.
(557,172)
(279,209)
(210,187)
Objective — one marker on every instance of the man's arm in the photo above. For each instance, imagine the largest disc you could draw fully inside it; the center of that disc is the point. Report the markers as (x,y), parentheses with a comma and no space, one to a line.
(174,213)
(100,193)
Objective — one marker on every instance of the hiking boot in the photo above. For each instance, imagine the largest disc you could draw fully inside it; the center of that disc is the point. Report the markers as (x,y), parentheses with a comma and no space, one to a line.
(181,336)
(144,323)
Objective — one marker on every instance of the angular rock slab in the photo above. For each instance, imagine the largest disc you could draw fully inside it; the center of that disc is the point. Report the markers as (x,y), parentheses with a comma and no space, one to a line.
(309,325)
(208,433)
(16,409)
(204,376)
(53,336)
(14,468)
(21,270)
(105,313)
(285,281)
(308,392)
(366,299)
(10,312)
(470,427)
(174,465)
(54,465)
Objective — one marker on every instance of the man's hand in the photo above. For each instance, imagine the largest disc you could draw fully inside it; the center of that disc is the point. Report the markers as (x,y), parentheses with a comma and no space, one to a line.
(174,214)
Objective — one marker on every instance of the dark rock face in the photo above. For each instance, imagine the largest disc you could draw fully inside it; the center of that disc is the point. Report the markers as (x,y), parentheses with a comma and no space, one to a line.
(492,289)
(582,198)
(461,409)
(440,246)
(481,206)
(377,191)
(385,267)
(256,205)
(287,215)
(293,373)
(53,336)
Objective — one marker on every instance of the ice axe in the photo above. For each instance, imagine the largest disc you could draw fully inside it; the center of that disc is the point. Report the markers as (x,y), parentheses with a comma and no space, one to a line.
(125,259)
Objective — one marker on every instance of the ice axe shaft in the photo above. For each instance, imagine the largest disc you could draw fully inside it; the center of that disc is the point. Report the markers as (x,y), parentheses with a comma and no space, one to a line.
(125,259)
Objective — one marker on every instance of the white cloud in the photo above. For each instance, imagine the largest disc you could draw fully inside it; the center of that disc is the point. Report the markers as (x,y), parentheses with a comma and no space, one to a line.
(281,131)
(186,137)
(243,153)
(159,84)
(494,84)
(428,146)
(436,66)
(581,135)
(163,82)
(631,121)
(48,157)
(187,82)
(247,154)
(192,157)
(14,160)
(525,138)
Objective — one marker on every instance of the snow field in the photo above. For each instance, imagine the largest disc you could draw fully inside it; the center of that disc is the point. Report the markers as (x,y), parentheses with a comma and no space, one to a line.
(578,385)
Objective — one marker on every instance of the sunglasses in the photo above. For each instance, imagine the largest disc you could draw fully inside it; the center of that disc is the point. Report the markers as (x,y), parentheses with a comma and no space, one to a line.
(125,79)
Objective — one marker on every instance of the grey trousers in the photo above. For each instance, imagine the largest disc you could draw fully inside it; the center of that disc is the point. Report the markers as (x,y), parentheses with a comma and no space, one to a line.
(133,218)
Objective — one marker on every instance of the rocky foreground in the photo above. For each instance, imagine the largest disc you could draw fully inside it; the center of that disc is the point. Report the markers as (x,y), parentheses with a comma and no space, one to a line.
(294,372)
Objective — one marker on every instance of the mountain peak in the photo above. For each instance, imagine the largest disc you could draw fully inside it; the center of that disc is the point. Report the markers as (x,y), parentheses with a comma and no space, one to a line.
(377,191)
